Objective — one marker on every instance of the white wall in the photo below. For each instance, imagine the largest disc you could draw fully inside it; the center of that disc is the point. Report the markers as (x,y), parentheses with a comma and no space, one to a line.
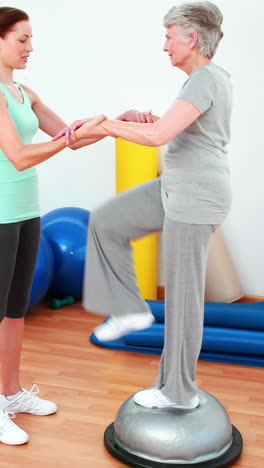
(106,56)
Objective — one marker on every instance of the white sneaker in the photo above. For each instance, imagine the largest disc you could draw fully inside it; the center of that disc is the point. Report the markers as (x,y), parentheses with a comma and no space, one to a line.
(28,402)
(154,398)
(10,433)
(116,327)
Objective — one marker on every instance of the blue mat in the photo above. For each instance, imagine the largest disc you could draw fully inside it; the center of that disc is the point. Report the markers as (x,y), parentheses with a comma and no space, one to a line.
(233,333)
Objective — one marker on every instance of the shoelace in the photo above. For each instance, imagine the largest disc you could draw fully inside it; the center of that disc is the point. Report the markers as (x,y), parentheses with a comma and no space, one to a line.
(30,397)
(7,421)
(26,399)
(31,391)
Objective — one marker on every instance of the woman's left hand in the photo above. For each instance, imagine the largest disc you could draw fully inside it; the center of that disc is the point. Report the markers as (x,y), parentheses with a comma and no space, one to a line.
(69,132)
(91,128)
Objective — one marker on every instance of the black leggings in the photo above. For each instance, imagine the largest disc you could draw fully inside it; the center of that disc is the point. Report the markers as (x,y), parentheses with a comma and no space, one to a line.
(19,243)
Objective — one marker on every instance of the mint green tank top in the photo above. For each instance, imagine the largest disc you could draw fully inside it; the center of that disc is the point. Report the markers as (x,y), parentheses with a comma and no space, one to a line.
(19,199)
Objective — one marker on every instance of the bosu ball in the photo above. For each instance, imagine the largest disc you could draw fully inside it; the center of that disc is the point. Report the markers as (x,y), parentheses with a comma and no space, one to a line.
(169,437)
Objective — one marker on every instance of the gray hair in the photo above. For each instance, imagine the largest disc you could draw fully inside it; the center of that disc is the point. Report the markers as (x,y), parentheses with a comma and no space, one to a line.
(203,17)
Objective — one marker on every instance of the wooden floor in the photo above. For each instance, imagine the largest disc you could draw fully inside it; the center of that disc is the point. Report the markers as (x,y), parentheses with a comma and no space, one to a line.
(90,383)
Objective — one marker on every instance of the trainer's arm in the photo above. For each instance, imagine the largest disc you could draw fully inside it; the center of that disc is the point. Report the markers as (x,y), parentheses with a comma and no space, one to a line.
(25,156)
(50,122)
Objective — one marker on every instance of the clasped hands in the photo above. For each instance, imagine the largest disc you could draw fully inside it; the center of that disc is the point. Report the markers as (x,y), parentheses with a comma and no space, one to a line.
(92,128)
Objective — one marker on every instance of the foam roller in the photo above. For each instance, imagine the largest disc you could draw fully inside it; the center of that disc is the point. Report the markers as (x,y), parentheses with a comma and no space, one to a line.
(214,339)
(247,316)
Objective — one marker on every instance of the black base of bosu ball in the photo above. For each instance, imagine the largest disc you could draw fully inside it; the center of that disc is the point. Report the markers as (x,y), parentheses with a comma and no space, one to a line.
(169,437)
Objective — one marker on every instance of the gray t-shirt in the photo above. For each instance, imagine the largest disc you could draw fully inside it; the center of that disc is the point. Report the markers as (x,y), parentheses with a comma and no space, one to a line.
(196,181)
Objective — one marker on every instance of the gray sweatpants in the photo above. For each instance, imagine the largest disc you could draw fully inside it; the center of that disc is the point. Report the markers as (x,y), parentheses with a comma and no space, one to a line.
(111,288)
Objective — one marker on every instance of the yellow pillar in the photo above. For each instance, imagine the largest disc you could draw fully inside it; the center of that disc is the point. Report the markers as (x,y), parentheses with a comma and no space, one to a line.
(136,164)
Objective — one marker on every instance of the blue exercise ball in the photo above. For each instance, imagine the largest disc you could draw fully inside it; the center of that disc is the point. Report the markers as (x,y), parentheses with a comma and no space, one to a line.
(66,230)
(43,273)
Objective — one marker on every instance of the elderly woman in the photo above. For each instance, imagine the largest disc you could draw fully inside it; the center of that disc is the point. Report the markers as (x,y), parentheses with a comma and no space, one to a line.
(187,203)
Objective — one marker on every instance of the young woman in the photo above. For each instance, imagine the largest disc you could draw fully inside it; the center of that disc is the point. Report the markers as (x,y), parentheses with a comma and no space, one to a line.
(21,114)
(188,202)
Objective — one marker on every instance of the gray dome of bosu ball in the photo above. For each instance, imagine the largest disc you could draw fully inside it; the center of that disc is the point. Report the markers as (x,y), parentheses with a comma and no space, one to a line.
(169,437)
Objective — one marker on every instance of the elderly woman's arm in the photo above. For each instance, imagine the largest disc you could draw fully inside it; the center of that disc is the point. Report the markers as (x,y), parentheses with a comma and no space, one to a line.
(178,117)
(127,116)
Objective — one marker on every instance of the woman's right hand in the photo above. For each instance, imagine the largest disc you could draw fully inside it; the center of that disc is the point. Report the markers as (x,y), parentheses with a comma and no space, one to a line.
(136,116)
